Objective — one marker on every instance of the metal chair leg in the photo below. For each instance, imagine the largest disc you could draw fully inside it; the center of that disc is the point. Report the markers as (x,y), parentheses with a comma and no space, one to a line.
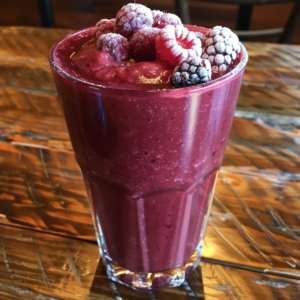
(244,17)
(46,13)
(183,11)
(291,26)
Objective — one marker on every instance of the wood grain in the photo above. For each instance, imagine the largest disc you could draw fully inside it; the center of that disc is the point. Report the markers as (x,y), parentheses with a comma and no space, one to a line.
(254,215)
(29,43)
(51,267)
(28,151)
(254,223)
(39,167)
(271,84)
(43,189)
(263,142)
(271,81)
(25,119)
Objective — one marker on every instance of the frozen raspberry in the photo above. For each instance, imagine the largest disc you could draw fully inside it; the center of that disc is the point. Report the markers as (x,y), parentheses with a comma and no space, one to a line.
(115,44)
(131,17)
(142,44)
(191,71)
(175,43)
(104,26)
(221,47)
(166,19)
(156,14)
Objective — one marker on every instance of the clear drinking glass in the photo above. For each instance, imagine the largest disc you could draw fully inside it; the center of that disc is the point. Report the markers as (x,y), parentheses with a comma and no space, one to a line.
(149,160)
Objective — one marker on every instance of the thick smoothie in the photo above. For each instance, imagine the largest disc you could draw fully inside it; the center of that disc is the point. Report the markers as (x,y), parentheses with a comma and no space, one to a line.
(149,154)
(80,58)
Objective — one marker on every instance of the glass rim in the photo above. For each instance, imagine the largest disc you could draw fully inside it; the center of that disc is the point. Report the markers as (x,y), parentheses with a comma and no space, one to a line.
(239,68)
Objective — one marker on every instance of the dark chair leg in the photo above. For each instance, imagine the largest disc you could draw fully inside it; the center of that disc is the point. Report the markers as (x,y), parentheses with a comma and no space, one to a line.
(244,17)
(46,13)
(182,8)
(291,26)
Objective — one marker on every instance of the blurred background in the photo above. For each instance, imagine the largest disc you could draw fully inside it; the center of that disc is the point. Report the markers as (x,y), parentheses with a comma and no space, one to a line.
(76,14)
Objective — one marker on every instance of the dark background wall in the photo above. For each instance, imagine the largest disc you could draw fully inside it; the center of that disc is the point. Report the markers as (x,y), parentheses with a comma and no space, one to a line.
(77,14)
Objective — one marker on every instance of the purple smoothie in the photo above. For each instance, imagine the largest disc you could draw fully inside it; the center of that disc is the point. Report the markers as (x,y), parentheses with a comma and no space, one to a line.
(149,154)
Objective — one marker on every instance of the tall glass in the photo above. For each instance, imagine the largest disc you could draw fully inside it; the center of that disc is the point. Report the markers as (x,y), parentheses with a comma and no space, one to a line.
(149,160)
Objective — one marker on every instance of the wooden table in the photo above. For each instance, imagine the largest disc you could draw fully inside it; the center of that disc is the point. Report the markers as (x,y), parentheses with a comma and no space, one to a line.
(47,243)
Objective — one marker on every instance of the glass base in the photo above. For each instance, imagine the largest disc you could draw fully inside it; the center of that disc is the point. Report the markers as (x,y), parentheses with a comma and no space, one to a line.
(143,281)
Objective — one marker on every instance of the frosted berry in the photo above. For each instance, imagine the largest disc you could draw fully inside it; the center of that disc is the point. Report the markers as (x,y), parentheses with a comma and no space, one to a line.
(156,14)
(115,44)
(142,44)
(191,71)
(166,19)
(104,26)
(221,47)
(131,18)
(175,43)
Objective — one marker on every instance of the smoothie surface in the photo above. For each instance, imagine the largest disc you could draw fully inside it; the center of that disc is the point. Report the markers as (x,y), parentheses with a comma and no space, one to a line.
(78,56)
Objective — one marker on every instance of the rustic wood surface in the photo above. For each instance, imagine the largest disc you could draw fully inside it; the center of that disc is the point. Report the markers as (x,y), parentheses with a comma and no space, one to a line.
(50,268)
(252,246)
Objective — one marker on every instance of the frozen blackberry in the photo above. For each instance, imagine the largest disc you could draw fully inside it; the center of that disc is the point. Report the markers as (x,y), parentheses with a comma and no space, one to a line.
(191,71)
(221,47)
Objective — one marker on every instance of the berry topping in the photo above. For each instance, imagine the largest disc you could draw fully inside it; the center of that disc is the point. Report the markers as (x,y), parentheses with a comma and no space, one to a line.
(156,15)
(166,19)
(175,43)
(142,44)
(131,17)
(221,47)
(115,44)
(104,26)
(191,71)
